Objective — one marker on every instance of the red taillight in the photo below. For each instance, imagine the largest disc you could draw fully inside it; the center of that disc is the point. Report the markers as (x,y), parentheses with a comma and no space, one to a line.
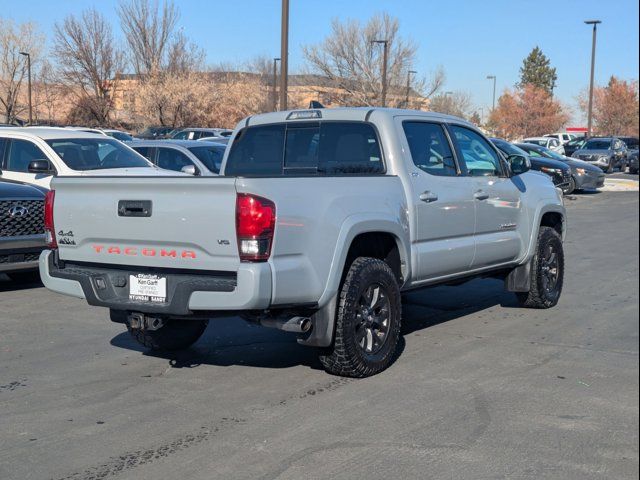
(255,224)
(49,228)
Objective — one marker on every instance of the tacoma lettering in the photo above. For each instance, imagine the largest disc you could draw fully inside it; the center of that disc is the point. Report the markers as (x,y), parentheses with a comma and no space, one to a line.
(145,251)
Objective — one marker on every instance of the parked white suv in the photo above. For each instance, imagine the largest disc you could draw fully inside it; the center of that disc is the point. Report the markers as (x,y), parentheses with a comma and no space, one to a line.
(36,154)
(551,143)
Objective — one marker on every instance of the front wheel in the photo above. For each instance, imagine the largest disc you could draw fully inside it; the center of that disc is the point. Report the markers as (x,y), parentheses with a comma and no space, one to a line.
(610,167)
(571,187)
(173,335)
(367,327)
(547,272)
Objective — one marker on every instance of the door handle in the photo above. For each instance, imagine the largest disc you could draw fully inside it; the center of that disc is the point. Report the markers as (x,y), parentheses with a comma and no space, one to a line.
(481,195)
(428,197)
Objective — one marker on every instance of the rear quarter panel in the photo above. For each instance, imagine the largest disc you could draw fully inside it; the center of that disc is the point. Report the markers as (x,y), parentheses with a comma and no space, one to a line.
(316,220)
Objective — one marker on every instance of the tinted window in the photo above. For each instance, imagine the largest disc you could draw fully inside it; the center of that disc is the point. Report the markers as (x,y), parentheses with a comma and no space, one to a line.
(3,143)
(172,159)
(429,148)
(144,151)
(334,148)
(597,145)
(632,143)
(542,143)
(96,154)
(21,154)
(301,149)
(210,156)
(183,135)
(123,137)
(478,155)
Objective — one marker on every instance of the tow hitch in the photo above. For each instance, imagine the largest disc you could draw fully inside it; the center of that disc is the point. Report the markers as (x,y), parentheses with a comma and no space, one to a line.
(144,322)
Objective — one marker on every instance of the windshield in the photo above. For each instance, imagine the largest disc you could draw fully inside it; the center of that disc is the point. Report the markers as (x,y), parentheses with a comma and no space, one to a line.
(509,148)
(551,154)
(210,156)
(96,154)
(631,143)
(597,145)
(123,137)
(542,143)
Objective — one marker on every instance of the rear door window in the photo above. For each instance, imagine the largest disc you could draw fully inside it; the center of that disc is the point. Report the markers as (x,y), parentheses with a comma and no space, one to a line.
(314,148)
(430,148)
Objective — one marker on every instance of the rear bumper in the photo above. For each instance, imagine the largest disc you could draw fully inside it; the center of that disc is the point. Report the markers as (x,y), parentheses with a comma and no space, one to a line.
(187,294)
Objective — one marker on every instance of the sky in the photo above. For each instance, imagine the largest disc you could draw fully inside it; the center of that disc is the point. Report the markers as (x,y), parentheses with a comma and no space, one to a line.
(469,39)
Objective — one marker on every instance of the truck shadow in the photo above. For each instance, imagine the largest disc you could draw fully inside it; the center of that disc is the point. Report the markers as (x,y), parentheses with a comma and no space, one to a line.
(8,285)
(232,341)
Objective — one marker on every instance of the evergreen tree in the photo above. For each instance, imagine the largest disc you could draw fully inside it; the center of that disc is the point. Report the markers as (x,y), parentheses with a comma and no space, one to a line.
(536,70)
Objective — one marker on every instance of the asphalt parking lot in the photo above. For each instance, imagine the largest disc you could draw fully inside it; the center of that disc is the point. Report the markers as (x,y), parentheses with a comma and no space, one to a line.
(482,389)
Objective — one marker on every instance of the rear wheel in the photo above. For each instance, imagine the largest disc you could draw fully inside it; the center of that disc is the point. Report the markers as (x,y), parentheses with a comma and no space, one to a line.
(367,322)
(173,335)
(547,272)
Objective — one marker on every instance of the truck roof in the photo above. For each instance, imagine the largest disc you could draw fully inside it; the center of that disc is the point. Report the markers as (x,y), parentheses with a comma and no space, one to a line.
(358,114)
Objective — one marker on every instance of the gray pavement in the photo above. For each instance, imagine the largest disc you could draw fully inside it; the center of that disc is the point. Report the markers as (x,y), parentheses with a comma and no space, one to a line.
(482,389)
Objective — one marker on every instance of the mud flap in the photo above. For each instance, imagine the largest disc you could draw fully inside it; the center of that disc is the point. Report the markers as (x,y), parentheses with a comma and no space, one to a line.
(519,279)
(324,321)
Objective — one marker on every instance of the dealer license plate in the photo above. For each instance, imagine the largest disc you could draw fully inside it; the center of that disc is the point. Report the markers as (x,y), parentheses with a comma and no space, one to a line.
(147,288)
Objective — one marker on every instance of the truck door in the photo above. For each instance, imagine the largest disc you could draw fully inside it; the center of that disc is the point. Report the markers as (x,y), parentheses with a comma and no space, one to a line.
(442,202)
(499,212)
(18,155)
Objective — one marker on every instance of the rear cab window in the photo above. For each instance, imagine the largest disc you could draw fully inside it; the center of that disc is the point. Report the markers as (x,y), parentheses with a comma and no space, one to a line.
(306,148)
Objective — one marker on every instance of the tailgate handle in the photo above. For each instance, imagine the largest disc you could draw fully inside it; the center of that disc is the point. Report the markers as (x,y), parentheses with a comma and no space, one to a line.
(134,208)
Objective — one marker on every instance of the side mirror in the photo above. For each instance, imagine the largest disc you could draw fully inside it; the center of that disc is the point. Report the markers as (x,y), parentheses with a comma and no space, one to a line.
(519,164)
(189,170)
(40,166)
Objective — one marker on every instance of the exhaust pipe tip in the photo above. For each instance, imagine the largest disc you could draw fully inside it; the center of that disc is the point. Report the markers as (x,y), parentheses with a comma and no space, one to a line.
(305,324)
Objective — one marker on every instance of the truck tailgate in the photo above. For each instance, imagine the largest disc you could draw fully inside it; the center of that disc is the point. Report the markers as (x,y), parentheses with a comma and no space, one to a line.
(173,222)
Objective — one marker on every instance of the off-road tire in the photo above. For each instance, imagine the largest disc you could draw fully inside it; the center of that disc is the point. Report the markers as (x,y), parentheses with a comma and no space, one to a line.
(346,357)
(537,296)
(173,335)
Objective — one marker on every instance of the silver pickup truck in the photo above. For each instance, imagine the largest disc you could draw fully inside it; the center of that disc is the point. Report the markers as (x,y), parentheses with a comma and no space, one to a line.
(318,222)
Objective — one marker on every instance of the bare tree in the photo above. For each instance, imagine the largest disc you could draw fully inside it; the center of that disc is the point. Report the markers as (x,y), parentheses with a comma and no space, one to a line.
(183,55)
(47,93)
(89,61)
(148,29)
(352,62)
(452,103)
(13,40)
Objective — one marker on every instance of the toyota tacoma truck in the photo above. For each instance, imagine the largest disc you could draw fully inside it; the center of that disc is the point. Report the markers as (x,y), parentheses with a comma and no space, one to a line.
(319,220)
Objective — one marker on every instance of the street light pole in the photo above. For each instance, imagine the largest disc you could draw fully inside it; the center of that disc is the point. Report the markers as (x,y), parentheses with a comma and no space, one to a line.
(406,103)
(26,54)
(385,59)
(275,84)
(493,77)
(593,63)
(284,54)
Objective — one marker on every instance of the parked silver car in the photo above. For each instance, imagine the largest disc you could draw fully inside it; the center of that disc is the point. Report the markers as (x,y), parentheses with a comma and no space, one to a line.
(187,156)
